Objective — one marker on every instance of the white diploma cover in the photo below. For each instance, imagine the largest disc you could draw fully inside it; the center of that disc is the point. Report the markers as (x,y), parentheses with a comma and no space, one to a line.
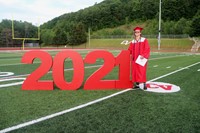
(140,61)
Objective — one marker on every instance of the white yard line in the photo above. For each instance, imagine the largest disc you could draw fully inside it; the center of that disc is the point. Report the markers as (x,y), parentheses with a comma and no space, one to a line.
(83,105)
(167,57)
(68,69)
(173,72)
(116,51)
(60,113)
(18,64)
(81,52)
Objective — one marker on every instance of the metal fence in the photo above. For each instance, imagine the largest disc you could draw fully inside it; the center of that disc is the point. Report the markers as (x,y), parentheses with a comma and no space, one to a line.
(131,36)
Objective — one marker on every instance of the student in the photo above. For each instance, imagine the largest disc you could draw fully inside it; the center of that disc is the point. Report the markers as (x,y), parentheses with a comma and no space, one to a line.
(139,46)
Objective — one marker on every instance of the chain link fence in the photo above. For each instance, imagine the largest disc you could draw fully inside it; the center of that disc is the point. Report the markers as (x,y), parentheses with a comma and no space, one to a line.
(131,36)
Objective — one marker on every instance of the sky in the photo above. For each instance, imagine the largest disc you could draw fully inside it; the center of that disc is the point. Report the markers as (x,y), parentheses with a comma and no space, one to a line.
(38,12)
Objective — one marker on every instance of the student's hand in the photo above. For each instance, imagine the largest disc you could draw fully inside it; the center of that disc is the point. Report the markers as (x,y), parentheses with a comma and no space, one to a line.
(141,57)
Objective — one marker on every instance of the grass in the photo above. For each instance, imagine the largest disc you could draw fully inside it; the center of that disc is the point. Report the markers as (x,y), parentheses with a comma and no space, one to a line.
(166,44)
(133,111)
(183,44)
(136,111)
(176,44)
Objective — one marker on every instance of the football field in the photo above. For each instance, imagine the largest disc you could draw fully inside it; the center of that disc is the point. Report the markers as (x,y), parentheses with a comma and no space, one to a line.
(114,110)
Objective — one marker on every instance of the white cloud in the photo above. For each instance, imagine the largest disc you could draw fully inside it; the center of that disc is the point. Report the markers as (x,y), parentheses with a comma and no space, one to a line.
(40,10)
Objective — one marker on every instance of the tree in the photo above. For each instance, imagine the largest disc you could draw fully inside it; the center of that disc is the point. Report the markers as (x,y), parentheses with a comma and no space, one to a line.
(47,36)
(6,37)
(181,26)
(77,34)
(195,25)
(60,37)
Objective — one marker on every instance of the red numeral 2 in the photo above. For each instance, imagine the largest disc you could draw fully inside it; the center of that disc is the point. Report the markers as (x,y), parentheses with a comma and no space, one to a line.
(32,82)
(123,60)
(94,82)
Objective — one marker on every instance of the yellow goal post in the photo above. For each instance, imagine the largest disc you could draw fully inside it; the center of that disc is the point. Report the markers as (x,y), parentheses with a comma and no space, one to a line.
(23,39)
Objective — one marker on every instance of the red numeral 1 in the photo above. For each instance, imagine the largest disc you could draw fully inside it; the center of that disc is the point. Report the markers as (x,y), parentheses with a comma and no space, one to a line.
(58,70)
(123,60)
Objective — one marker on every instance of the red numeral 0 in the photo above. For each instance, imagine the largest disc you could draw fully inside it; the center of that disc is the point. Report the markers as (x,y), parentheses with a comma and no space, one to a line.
(58,70)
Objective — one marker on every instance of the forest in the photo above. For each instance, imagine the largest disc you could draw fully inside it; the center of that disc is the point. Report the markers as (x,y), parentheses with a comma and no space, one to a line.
(178,17)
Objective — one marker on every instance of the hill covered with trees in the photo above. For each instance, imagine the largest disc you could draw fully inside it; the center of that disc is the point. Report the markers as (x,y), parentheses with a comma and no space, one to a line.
(178,17)
(21,30)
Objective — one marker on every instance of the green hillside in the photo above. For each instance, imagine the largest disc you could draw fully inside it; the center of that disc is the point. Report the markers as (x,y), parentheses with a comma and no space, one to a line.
(117,17)
(111,17)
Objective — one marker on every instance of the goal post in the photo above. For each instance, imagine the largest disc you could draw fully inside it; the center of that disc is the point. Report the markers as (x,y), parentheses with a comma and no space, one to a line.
(25,38)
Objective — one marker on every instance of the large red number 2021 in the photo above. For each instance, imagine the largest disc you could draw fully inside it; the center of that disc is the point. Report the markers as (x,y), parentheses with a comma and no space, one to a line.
(94,82)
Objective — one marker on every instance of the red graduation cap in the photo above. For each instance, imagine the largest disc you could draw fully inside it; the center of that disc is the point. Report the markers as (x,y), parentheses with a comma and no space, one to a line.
(138,28)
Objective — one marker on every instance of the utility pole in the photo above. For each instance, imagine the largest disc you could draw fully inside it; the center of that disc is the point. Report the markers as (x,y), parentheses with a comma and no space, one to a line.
(159,30)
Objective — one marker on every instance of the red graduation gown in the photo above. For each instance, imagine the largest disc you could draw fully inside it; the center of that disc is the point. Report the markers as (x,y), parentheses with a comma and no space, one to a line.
(136,48)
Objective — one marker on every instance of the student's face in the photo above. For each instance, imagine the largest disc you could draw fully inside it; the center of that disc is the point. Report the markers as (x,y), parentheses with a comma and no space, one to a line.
(137,33)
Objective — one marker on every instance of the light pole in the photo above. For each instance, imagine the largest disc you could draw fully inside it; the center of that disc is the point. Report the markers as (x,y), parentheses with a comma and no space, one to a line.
(159,30)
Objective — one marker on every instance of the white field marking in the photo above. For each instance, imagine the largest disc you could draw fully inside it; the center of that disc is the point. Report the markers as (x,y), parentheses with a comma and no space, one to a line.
(89,51)
(11,84)
(173,72)
(83,105)
(60,113)
(185,68)
(198,70)
(18,64)
(167,57)
(37,62)
(2,74)
(168,67)
(67,69)
(155,66)
(12,59)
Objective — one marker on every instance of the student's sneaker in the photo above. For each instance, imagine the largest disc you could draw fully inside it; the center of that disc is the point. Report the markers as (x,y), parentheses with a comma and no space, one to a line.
(136,86)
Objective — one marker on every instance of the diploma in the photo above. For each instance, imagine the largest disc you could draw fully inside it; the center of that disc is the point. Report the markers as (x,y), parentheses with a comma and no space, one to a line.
(140,61)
